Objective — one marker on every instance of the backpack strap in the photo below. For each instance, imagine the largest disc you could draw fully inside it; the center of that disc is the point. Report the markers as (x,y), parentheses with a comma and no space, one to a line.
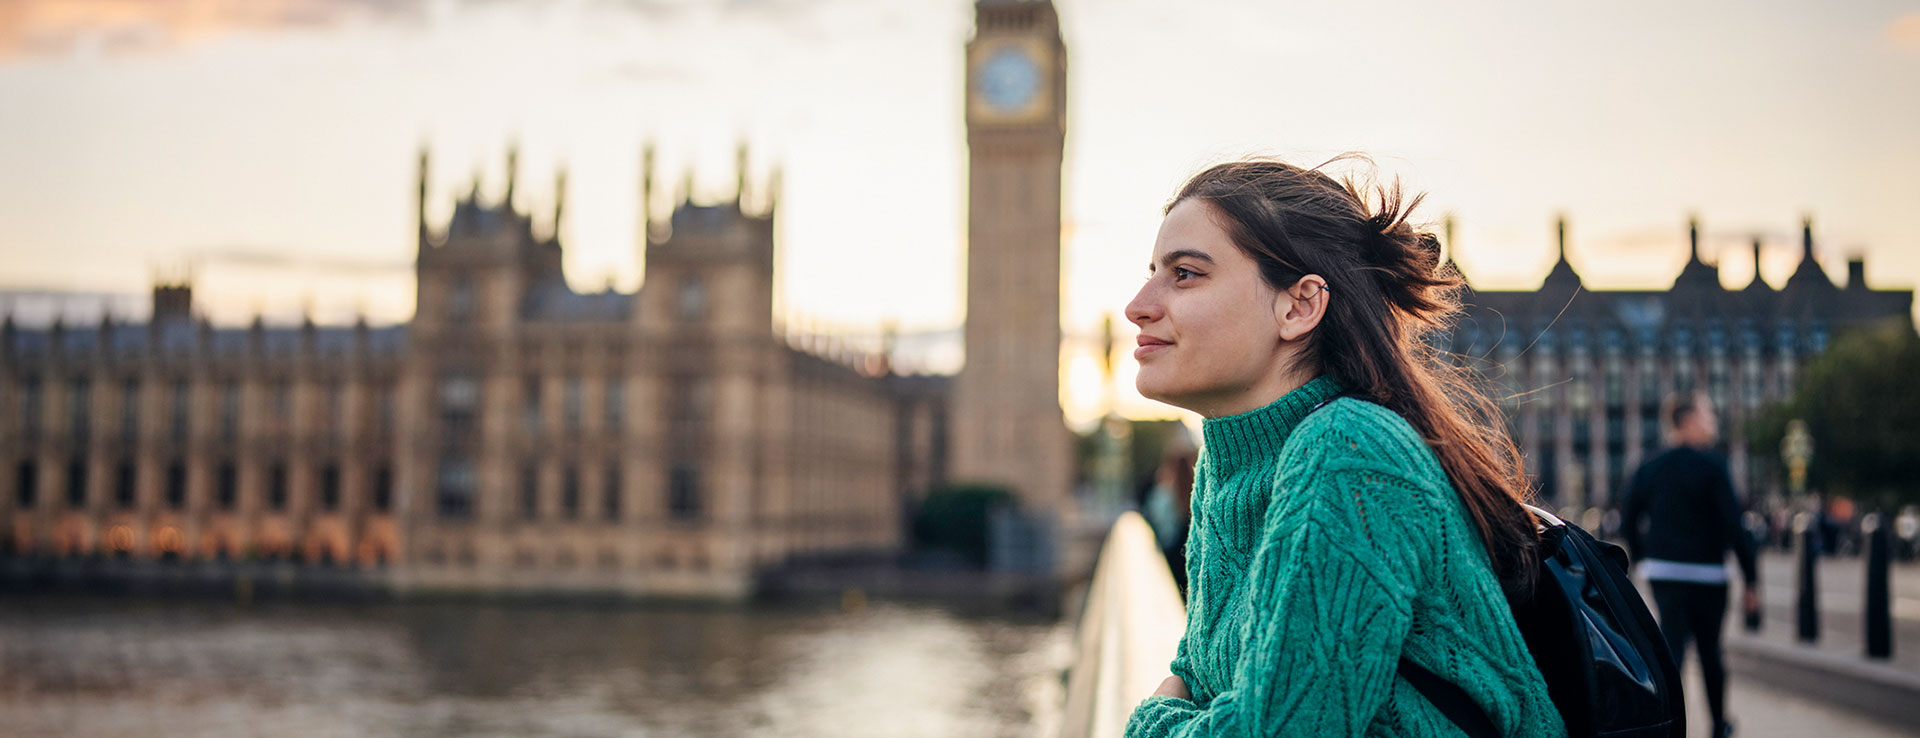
(1450,698)
(1329,401)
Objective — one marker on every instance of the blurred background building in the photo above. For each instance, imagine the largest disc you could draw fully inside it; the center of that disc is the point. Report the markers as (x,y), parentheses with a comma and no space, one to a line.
(515,435)
(1581,373)
(518,434)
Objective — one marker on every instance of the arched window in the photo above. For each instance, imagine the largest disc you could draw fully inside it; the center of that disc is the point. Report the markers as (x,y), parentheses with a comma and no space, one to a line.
(177,484)
(226,486)
(683,492)
(610,502)
(454,489)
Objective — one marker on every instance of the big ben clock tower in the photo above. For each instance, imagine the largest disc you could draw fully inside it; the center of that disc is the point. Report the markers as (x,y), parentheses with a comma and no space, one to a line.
(1007,426)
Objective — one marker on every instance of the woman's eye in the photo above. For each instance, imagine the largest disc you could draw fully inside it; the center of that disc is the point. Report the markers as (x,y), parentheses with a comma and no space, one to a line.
(1182,274)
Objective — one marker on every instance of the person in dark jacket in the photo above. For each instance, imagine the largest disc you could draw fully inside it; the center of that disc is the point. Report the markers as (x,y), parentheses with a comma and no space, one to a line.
(1685,498)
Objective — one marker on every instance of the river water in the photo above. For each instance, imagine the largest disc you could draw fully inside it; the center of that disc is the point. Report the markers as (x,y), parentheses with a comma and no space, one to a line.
(109,667)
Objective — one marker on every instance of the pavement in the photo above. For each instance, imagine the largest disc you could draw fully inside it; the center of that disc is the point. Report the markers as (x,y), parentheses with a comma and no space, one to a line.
(1760,709)
(1779,686)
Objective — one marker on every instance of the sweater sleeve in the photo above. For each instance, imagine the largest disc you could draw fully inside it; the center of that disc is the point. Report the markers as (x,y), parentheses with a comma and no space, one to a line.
(1328,614)
(1632,511)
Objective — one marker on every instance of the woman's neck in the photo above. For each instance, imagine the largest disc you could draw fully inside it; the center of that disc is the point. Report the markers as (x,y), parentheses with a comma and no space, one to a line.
(1264,393)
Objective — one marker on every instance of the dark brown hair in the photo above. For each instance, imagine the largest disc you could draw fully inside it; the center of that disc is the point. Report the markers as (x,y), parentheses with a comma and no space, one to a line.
(1390,295)
(1681,406)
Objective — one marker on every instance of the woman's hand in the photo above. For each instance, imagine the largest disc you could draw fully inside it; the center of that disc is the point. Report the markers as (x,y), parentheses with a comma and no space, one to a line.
(1173,687)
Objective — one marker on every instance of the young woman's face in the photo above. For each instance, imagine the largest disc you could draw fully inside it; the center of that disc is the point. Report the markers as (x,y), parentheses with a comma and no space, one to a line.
(1210,327)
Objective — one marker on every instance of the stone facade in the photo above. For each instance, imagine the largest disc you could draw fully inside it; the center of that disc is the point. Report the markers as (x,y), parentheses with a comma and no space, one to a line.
(514,435)
(1581,373)
(1008,429)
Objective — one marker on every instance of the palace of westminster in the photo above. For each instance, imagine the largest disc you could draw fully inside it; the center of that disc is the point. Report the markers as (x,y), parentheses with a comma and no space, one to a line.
(518,435)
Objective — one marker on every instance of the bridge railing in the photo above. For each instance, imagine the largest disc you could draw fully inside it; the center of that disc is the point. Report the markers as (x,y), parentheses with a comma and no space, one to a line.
(1127,633)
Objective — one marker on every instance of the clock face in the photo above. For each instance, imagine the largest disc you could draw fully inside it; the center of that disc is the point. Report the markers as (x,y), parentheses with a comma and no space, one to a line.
(1009,79)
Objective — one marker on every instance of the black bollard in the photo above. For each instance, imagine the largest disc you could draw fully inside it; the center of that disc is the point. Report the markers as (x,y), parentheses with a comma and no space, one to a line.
(1879,599)
(1756,530)
(1753,618)
(1809,605)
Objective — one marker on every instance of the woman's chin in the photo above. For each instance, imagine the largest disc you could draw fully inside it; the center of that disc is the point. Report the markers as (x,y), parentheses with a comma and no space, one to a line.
(1157,389)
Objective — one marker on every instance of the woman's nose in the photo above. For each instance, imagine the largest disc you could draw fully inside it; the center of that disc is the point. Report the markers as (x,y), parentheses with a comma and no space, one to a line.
(1145,307)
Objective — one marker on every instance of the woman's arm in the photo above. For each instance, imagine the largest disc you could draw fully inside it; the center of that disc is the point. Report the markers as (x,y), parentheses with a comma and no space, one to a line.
(1330,603)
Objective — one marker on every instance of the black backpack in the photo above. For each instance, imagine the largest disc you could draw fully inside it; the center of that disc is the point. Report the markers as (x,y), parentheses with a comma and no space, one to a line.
(1605,661)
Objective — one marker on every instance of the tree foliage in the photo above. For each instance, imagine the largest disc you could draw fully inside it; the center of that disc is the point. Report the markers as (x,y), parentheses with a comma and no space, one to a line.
(955,519)
(1861,403)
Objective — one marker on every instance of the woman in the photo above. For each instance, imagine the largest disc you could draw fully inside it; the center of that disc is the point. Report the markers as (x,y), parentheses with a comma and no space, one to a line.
(1356,501)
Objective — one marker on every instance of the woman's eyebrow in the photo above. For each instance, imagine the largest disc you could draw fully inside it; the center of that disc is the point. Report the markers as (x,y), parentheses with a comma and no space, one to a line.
(1178,254)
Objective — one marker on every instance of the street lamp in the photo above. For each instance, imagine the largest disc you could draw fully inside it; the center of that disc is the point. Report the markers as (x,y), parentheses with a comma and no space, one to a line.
(1797,450)
(1114,463)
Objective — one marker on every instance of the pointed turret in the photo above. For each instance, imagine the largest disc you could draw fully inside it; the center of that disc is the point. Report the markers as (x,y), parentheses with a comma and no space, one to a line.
(740,176)
(471,206)
(1809,275)
(513,172)
(1696,274)
(420,203)
(257,334)
(309,333)
(1451,264)
(1758,284)
(646,193)
(1562,273)
(1693,238)
(559,201)
(889,340)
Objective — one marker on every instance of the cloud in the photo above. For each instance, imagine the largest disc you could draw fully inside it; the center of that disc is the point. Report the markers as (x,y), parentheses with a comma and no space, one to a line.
(258,258)
(1904,32)
(51,27)
(58,27)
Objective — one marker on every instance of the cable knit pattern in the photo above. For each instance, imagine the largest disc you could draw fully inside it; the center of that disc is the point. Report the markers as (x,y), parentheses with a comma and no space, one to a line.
(1324,545)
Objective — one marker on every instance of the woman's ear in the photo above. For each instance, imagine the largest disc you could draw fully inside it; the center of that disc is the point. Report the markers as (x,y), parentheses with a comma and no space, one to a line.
(1299,308)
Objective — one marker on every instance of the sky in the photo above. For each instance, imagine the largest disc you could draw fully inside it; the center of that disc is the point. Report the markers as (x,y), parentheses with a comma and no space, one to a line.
(268,148)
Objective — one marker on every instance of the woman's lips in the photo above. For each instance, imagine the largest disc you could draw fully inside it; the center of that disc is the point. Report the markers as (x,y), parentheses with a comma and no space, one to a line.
(1148,345)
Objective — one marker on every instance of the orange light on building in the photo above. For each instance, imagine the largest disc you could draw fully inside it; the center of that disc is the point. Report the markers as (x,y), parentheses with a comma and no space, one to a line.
(119,539)
(22,536)
(169,540)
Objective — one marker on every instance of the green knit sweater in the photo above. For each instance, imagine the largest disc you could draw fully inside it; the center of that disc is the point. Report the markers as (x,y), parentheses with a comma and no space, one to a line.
(1324,546)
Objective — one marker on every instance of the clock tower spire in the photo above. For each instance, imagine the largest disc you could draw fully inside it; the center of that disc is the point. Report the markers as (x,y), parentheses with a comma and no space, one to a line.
(1008,429)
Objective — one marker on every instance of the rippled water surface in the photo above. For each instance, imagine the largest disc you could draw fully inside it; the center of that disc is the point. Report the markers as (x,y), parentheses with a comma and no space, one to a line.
(101,667)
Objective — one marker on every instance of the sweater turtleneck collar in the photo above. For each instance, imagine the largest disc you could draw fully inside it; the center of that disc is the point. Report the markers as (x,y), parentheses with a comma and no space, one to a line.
(1255,436)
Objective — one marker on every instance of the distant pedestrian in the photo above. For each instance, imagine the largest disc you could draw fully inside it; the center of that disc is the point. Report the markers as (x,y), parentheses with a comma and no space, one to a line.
(1692,520)
(1169,504)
